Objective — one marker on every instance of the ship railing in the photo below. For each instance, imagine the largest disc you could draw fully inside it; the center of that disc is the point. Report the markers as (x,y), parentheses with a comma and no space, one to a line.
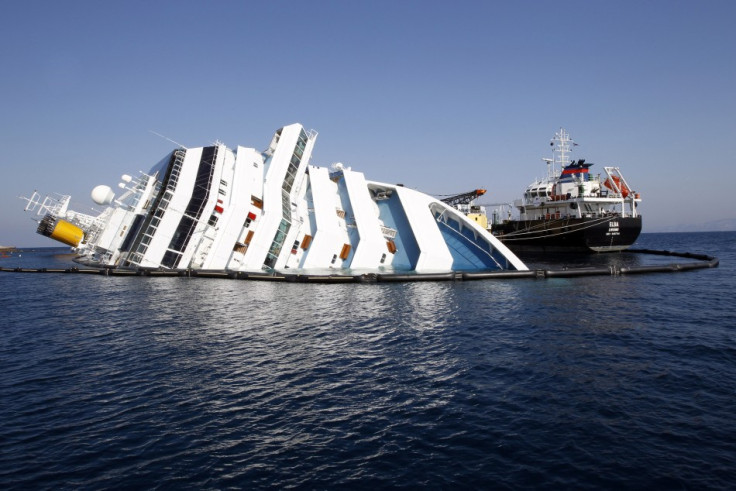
(54,206)
(92,233)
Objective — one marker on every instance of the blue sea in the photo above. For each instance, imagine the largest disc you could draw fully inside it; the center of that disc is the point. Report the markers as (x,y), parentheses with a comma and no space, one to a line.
(603,382)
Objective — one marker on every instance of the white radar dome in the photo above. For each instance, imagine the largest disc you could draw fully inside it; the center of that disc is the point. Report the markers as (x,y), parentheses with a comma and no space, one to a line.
(102,195)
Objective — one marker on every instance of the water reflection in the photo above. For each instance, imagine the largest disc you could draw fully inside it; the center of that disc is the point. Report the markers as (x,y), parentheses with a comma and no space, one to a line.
(226,383)
(44,257)
(546,260)
(382,344)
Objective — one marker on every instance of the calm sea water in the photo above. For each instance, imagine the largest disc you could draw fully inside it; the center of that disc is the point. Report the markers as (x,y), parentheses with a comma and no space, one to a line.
(599,382)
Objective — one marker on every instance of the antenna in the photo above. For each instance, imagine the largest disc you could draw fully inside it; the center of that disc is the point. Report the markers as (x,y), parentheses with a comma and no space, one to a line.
(550,172)
(169,139)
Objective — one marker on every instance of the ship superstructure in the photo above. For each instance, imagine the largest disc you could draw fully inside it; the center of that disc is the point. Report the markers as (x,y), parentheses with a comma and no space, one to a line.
(215,208)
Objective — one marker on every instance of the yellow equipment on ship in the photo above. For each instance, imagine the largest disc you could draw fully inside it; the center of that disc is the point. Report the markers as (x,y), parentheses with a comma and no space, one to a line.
(61,230)
(480,218)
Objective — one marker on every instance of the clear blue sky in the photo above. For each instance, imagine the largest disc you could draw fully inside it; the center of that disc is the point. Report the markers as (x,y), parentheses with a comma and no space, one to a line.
(443,96)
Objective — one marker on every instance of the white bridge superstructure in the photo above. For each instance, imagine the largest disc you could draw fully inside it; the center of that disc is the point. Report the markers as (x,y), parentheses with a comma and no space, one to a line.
(573,192)
(215,208)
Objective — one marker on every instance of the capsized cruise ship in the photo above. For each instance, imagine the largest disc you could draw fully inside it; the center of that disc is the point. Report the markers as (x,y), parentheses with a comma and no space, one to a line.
(215,208)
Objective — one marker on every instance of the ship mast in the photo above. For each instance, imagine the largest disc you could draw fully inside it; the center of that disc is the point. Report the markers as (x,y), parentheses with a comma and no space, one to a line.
(560,149)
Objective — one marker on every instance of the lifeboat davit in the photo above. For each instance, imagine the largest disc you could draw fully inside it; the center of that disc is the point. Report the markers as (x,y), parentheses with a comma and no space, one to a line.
(625,191)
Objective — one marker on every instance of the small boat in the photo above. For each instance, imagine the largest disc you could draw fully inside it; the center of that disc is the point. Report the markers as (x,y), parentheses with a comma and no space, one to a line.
(571,210)
(217,209)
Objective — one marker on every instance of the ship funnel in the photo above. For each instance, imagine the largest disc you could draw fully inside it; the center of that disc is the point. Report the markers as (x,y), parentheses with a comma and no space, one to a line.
(61,230)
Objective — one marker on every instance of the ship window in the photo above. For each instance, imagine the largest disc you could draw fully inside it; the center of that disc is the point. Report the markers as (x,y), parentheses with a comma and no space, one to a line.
(170,259)
(135,227)
(193,211)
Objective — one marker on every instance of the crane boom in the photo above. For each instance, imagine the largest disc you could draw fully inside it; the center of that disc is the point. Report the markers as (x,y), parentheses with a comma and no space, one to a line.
(464,198)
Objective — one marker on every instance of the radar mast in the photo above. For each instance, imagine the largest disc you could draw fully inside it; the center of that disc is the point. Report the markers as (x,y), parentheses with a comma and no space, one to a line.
(561,148)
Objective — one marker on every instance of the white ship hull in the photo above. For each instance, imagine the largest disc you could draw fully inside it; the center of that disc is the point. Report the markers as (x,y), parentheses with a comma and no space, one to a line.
(213,208)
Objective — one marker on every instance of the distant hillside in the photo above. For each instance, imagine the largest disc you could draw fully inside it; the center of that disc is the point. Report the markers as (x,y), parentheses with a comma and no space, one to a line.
(723,225)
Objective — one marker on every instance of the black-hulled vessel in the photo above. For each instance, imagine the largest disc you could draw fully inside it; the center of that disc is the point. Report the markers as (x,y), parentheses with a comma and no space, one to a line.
(571,209)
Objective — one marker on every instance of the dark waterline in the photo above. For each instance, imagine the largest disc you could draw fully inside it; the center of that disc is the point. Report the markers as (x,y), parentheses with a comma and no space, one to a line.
(600,382)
